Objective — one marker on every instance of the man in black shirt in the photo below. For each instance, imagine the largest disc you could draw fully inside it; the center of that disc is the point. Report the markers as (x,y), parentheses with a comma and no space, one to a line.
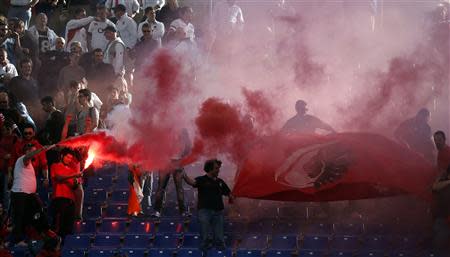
(210,204)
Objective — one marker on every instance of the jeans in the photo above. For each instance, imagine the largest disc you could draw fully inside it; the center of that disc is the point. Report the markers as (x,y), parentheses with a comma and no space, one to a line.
(63,216)
(4,192)
(162,185)
(211,221)
(22,13)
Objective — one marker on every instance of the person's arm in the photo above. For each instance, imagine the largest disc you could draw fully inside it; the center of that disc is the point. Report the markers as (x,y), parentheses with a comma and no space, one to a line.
(118,60)
(132,28)
(65,128)
(30,155)
(33,3)
(62,178)
(189,180)
(74,24)
(440,183)
(158,32)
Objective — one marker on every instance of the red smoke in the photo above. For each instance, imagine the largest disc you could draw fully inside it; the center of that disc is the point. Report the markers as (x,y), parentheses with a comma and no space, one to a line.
(260,107)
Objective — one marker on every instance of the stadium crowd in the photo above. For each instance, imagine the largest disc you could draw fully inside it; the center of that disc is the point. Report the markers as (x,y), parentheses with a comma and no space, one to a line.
(57,85)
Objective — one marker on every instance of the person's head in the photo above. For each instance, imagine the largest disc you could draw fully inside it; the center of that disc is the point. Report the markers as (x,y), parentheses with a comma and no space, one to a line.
(84,96)
(41,20)
(186,13)
(75,47)
(74,57)
(26,67)
(19,27)
(101,11)
(3,29)
(113,92)
(7,128)
(98,55)
(423,115)
(120,10)
(439,139)
(150,13)
(110,33)
(4,101)
(48,104)
(59,43)
(74,87)
(28,131)
(80,13)
(12,22)
(3,56)
(146,31)
(67,156)
(212,167)
(300,107)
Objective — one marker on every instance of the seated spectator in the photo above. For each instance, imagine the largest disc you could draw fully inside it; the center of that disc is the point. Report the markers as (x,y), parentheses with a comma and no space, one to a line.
(76,29)
(64,177)
(41,32)
(7,69)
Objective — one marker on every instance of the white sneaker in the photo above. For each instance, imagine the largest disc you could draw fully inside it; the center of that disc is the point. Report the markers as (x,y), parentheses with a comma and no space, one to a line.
(156,214)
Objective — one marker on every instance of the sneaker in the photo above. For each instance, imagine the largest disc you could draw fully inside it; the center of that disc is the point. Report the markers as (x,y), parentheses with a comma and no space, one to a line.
(156,214)
(186,214)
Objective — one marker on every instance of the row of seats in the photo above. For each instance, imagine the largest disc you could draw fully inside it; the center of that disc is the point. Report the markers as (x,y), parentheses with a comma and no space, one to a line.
(239,253)
(255,242)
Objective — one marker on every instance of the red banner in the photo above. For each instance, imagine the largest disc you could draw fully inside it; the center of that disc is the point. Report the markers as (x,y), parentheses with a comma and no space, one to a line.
(346,166)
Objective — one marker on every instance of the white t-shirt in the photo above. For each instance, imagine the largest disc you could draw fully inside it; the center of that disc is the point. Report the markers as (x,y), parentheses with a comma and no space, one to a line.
(24,177)
(127,29)
(114,55)
(227,18)
(152,3)
(132,6)
(8,70)
(187,28)
(157,29)
(76,31)
(96,28)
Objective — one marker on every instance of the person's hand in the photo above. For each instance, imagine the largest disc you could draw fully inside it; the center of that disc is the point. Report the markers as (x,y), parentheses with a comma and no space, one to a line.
(7,156)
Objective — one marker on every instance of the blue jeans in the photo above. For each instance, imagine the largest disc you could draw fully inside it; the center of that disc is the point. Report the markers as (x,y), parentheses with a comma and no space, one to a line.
(22,13)
(211,221)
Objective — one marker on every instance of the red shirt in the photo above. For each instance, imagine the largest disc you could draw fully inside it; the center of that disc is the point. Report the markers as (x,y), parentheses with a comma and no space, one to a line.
(7,144)
(63,189)
(444,158)
(39,163)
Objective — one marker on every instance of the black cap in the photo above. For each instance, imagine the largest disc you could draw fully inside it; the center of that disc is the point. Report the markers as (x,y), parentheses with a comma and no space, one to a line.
(120,7)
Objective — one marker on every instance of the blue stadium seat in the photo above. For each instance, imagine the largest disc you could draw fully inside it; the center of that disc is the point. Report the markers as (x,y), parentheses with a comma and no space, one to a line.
(293,211)
(340,254)
(98,182)
(191,241)
(92,211)
(309,253)
(119,196)
(136,241)
(406,243)
(122,183)
(193,226)
(72,253)
(377,229)
(112,227)
(189,253)
(95,196)
(402,254)
(100,253)
(315,243)
(431,254)
(19,252)
(134,252)
(345,243)
(85,227)
(254,242)
(218,253)
(234,227)
(248,253)
(166,241)
(284,242)
(260,227)
(140,227)
(77,242)
(371,254)
(107,241)
(348,229)
(323,229)
(171,211)
(169,226)
(160,252)
(287,227)
(116,211)
(278,253)
(375,243)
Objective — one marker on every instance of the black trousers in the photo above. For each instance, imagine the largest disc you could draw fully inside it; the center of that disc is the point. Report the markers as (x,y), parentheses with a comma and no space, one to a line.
(163,180)
(63,216)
